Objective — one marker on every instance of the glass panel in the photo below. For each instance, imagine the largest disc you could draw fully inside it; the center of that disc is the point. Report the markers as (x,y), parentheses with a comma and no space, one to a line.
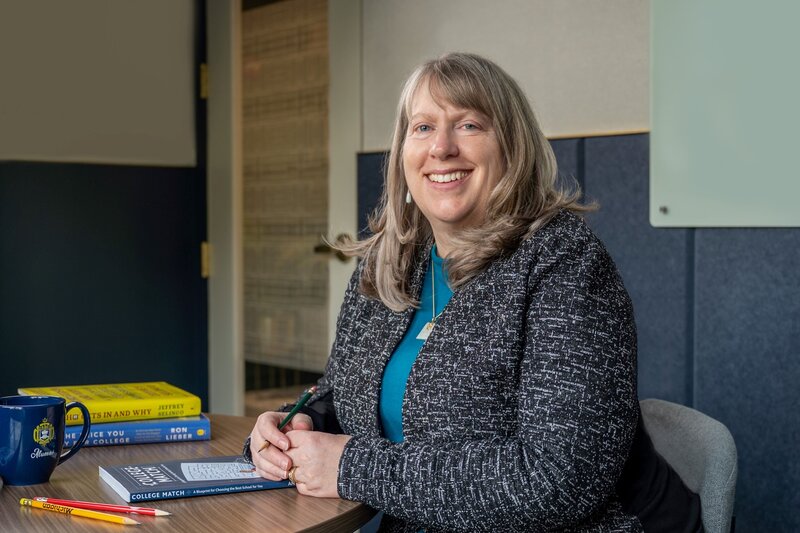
(724,113)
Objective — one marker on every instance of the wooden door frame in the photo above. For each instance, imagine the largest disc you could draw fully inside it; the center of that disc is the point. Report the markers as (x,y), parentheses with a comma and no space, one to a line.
(224,182)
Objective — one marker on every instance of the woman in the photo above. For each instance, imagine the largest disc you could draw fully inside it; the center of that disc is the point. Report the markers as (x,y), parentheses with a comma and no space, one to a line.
(483,375)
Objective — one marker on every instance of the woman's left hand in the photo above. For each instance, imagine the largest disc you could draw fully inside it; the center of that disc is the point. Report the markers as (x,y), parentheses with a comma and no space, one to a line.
(316,457)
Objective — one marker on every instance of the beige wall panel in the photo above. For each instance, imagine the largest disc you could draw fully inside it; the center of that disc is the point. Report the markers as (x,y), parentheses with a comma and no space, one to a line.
(101,81)
(583,63)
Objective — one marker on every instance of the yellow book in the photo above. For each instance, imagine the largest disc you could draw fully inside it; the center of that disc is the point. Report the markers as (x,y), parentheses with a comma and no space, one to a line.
(114,402)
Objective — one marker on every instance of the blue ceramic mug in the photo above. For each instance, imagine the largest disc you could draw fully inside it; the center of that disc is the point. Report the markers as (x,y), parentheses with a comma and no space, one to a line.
(32,437)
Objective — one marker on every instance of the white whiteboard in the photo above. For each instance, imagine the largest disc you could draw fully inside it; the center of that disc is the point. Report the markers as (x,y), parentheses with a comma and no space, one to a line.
(725,112)
(105,81)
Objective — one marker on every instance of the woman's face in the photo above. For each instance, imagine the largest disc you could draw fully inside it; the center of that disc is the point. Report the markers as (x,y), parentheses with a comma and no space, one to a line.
(452,161)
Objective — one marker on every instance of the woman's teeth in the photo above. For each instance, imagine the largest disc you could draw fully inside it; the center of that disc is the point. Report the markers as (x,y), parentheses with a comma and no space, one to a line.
(444,178)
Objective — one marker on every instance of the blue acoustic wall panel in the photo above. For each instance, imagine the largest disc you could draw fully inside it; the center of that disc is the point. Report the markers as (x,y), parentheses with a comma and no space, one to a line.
(654,263)
(747,316)
(370,185)
(569,155)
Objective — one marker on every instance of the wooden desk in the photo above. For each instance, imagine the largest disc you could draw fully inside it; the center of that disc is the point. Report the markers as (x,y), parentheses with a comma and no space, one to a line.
(267,511)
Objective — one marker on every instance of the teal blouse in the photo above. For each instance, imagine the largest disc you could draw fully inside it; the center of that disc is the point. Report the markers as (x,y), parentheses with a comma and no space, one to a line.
(395,375)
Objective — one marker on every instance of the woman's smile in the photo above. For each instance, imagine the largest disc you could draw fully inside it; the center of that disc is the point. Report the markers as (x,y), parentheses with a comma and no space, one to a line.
(447,176)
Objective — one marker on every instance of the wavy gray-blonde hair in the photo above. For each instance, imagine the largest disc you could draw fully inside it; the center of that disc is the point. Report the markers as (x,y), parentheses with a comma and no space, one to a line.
(523,200)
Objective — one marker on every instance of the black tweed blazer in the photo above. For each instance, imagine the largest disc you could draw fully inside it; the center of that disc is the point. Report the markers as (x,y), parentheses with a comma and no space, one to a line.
(520,409)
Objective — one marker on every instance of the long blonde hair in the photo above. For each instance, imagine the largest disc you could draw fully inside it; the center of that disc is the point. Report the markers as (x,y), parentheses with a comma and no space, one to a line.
(523,200)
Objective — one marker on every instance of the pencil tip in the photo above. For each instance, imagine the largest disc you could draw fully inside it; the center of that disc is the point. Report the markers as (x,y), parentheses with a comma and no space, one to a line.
(130,522)
(162,513)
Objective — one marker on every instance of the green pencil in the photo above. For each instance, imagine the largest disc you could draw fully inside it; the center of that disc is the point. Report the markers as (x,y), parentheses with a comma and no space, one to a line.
(296,409)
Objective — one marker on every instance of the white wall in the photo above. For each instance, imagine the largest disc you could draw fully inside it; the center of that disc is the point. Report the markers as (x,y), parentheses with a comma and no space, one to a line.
(583,63)
(103,81)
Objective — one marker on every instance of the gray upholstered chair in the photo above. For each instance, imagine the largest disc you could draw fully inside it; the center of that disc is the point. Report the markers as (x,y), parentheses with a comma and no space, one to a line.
(702,452)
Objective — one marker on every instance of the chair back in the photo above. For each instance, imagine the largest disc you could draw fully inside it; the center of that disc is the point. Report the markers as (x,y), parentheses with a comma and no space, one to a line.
(702,452)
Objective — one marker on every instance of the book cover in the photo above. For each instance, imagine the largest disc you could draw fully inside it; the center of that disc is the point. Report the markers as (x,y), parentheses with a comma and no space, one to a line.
(113,402)
(185,478)
(188,428)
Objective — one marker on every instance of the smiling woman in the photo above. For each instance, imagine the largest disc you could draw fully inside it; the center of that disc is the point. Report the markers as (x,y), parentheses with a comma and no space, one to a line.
(483,375)
(451,162)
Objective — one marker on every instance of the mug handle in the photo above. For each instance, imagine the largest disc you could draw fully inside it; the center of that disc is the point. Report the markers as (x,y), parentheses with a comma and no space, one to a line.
(84,433)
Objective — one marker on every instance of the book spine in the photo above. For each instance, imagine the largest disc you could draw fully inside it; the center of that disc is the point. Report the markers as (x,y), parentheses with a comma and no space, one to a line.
(143,496)
(142,432)
(130,401)
(136,409)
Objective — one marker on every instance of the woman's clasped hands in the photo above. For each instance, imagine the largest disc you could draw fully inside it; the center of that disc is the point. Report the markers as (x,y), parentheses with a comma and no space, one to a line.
(308,458)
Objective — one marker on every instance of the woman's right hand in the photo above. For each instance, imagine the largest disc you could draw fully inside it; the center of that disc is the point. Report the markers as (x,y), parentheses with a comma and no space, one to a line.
(271,463)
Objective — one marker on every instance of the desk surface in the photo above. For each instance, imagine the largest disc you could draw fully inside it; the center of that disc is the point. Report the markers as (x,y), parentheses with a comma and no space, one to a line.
(277,510)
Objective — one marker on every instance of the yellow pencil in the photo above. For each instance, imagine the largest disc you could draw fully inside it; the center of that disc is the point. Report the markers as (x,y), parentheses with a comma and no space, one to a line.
(78,512)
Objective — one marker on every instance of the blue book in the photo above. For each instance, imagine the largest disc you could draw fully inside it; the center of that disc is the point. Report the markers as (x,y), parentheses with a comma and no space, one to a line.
(188,428)
(185,478)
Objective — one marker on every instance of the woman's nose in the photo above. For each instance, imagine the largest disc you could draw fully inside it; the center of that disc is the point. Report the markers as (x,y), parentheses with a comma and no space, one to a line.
(444,144)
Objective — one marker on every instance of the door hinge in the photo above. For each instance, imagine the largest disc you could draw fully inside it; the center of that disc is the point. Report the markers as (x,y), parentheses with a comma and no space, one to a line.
(205,260)
(203,81)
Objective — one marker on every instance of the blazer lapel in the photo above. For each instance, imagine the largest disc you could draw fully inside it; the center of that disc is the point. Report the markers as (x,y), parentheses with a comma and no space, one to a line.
(386,331)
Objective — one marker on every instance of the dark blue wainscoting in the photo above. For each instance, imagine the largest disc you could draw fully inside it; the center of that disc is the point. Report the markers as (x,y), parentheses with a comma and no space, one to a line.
(717,312)
(100,275)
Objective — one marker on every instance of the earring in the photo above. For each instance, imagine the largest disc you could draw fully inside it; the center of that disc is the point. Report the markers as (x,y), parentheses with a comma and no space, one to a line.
(408,197)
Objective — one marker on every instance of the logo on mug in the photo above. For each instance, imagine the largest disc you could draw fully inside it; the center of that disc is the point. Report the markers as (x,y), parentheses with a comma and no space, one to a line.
(44,433)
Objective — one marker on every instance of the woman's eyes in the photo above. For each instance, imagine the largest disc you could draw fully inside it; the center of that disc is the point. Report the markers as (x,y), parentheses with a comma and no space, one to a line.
(465,126)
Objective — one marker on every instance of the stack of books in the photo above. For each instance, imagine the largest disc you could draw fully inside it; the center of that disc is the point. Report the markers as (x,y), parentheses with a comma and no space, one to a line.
(131,413)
